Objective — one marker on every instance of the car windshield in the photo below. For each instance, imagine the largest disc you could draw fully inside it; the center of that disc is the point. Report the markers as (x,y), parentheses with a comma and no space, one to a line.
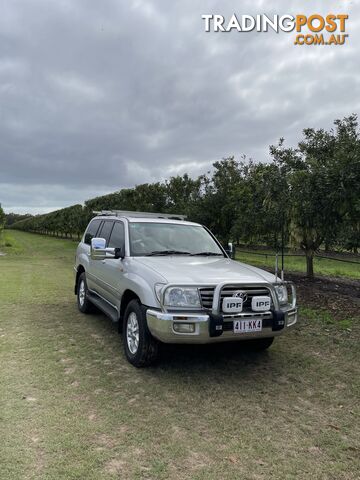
(150,239)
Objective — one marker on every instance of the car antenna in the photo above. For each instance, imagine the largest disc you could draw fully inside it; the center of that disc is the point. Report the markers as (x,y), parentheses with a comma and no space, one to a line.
(282,247)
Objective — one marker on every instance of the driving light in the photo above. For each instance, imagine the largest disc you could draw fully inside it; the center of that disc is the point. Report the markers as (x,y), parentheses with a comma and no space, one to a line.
(281,292)
(182,297)
(184,327)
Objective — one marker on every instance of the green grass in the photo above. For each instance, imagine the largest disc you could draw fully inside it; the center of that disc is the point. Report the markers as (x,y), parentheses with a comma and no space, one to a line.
(322,266)
(9,244)
(71,407)
(324,319)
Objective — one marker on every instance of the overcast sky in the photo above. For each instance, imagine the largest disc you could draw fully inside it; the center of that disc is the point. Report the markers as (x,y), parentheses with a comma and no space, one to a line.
(100,95)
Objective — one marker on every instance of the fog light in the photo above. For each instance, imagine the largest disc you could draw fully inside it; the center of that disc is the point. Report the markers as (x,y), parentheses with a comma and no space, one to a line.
(184,327)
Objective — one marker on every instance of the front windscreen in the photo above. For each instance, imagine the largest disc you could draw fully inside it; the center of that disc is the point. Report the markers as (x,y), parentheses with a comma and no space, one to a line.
(171,239)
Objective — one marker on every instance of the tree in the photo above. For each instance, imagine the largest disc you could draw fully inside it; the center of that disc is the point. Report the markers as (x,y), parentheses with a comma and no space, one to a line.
(323,176)
(217,207)
(2,217)
(347,173)
(14,217)
(262,200)
(2,222)
(182,195)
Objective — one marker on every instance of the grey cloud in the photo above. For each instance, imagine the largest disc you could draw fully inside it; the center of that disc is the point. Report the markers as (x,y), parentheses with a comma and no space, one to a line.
(96,96)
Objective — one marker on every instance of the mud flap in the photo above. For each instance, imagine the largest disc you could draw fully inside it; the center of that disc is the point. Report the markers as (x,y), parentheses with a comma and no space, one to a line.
(215,325)
(278,320)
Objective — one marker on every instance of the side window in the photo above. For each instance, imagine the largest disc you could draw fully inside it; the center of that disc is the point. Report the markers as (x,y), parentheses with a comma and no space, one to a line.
(106,230)
(91,230)
(117,238)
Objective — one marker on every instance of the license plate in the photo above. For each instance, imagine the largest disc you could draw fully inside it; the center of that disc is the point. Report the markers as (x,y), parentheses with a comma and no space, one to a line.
(247,326)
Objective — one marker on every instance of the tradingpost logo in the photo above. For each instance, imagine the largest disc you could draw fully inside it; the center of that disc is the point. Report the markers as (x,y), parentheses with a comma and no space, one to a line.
(312,29)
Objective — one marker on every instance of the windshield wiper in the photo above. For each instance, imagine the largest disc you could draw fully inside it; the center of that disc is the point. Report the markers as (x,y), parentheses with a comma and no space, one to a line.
(167,252)
(208,254)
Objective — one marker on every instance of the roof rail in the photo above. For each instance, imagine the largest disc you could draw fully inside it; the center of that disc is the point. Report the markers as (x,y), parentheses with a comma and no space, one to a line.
(125,213)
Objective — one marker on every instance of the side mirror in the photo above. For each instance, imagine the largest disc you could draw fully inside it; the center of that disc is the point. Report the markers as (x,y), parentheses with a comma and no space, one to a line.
(98,250)
(230,250)
(98,243)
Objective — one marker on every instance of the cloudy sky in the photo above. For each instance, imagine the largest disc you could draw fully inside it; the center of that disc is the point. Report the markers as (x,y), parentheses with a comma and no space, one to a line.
(100,95)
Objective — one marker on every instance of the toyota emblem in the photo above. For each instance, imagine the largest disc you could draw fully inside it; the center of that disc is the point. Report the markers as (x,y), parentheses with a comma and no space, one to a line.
(240,294)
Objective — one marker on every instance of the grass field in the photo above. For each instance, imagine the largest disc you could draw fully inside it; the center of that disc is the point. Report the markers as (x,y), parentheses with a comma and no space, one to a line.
(71,407)
(322,266)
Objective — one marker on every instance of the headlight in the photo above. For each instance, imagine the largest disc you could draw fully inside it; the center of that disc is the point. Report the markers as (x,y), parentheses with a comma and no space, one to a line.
(182,297)
(281,292)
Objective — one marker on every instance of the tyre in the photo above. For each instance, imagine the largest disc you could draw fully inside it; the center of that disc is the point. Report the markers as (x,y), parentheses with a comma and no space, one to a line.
(84,304)
(260,344)
(141,348)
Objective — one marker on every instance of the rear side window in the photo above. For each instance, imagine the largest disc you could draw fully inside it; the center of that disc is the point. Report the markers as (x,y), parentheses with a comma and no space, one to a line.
(106,231)
(117,238)
(91,231)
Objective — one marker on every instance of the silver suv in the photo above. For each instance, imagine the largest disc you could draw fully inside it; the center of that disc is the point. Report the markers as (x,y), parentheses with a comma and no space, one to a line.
(164,279)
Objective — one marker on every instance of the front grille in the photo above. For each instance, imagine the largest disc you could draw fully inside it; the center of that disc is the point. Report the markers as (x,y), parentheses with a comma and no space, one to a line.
(207,295)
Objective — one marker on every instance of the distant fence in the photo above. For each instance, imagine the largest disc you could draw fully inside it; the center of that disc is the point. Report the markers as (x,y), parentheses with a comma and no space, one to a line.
(296,255)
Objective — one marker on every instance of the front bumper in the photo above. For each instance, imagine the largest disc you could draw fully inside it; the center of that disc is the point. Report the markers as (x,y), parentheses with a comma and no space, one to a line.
(161,325)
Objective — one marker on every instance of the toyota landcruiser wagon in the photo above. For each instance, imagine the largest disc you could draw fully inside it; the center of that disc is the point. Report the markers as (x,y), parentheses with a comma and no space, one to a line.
(164,279)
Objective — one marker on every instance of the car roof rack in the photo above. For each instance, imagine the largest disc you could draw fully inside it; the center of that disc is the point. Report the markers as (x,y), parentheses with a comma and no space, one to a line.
(125,213)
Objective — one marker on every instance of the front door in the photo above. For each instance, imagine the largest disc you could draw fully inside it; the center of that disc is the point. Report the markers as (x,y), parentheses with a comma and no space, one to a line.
(111,273)
(97,267)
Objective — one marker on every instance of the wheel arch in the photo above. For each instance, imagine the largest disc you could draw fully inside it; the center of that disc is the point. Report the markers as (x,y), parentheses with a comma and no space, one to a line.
(79,271)
(128,295)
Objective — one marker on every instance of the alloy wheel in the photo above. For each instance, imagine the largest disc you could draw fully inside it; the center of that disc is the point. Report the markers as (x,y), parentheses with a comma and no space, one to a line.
(132,333)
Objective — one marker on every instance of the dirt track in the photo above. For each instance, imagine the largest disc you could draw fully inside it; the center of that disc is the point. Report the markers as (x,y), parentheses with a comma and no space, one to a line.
(338,295)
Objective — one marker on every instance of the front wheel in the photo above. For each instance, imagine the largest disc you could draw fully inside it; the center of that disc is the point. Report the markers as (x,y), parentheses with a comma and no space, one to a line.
(84,304)
(141,348)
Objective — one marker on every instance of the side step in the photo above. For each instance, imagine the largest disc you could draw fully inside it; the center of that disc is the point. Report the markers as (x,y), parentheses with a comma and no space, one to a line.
(104,306)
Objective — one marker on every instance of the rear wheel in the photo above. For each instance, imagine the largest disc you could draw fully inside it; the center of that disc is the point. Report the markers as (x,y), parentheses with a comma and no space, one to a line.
(260,343)
(141,348)
(84,304)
